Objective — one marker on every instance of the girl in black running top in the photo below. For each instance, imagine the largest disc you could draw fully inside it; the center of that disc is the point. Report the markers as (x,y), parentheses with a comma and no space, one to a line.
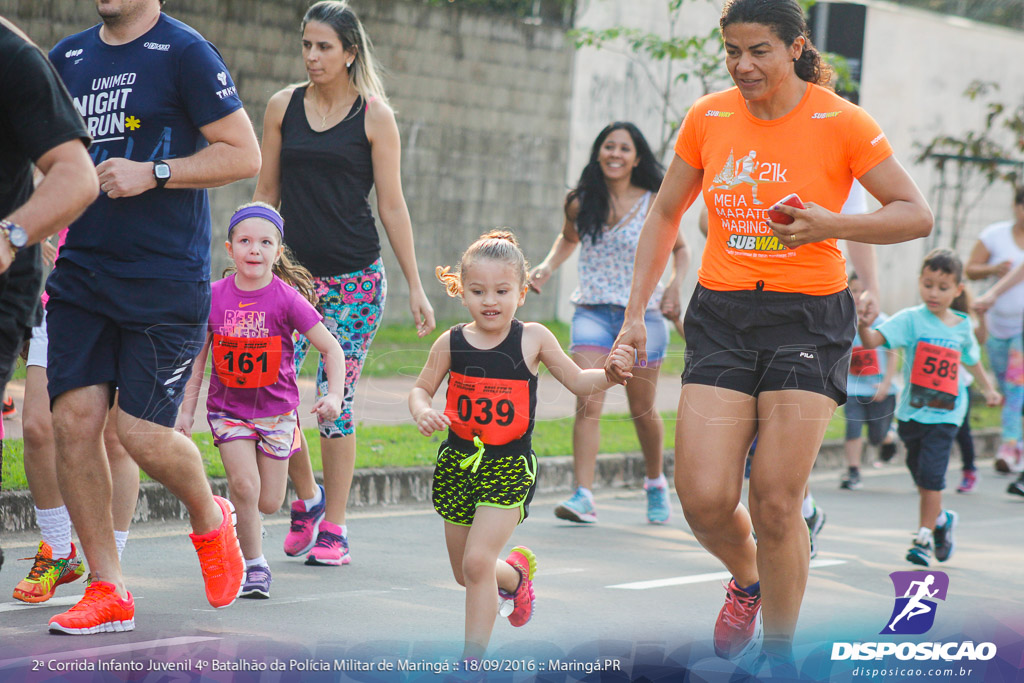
(486,470)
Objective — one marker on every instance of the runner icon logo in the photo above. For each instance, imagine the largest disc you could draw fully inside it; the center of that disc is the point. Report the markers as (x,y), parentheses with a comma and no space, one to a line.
(916,593)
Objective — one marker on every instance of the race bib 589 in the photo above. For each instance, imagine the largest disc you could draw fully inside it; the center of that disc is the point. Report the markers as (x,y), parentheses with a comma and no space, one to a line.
(934,377)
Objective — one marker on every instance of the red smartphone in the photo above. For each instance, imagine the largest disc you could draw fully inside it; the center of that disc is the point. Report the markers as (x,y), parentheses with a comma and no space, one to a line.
(790,200)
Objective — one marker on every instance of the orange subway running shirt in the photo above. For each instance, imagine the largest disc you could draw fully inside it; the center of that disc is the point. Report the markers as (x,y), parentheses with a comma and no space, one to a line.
(816,151)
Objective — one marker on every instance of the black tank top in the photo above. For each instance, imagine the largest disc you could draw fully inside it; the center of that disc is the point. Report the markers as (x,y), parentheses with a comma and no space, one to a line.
(325,184)
(491,394)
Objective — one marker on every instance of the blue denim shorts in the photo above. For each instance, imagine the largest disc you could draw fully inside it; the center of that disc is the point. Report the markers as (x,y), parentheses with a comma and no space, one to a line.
(596,327)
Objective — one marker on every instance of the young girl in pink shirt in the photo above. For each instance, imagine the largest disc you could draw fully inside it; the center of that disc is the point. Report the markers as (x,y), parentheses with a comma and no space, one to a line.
(253,396)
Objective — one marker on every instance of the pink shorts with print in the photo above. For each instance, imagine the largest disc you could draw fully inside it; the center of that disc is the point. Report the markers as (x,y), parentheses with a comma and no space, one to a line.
(276,437)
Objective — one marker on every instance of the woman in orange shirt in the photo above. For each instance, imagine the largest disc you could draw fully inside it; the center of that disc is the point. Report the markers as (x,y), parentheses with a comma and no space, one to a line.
(770,325)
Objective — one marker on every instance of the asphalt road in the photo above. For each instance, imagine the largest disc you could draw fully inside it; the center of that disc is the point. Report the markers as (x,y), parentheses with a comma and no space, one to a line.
(634,594)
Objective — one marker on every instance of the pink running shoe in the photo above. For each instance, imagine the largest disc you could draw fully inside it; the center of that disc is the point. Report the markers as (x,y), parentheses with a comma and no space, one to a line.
(968,483)
(523,561)
(331,547)
(302,535)
(738,629)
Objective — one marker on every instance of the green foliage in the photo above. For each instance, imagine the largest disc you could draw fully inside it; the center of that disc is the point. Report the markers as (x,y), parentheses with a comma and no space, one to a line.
(404,446)
(970,164)
(673,58)
(666,60)
(985,148)
(397,350)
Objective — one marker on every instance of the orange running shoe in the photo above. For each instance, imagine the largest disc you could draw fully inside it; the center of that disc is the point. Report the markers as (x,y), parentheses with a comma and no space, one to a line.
(47,573)
(101,610)
(220,558)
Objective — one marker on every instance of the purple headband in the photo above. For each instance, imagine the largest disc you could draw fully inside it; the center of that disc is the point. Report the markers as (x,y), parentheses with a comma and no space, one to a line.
(263,212)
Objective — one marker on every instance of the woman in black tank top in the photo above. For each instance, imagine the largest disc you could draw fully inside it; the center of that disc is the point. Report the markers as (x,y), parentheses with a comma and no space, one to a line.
(325,145)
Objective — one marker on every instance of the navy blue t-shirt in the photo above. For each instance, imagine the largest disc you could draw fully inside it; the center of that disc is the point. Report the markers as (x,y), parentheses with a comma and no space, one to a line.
(146,101)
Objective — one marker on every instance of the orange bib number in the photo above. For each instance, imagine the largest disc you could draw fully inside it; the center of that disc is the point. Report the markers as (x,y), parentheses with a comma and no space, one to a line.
(246,362)
(864,362)
(934,379)
(478,406)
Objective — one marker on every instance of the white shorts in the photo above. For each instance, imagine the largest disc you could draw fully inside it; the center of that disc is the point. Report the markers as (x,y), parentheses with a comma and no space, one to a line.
(37,345)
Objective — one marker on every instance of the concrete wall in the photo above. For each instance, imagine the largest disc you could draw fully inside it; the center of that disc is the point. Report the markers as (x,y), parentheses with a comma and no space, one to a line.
(916,67)
(497,116)
(611,85)
(482,102)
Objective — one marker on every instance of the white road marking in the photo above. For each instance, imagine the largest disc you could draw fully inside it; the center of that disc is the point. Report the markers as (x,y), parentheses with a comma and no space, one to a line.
(52,602)
(701,578)
(311,598)
(562,570)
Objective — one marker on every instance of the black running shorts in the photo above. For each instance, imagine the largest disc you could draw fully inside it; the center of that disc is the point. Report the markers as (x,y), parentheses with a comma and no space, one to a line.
(137,335)
(753,341)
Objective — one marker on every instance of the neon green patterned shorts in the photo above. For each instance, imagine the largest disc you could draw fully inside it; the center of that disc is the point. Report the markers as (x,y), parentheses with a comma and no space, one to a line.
(463,482)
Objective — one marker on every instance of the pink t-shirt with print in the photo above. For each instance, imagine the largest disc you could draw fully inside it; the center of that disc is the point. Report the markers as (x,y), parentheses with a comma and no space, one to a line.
(253,372)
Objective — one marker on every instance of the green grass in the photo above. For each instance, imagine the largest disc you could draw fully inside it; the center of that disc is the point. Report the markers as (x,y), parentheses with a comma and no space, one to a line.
(396,350)
(403,446)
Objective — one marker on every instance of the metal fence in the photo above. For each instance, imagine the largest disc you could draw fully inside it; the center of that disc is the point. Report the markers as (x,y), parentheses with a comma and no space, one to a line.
(967,194)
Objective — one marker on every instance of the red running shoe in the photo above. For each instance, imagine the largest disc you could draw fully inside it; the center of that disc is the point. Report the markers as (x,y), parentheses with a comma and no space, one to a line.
(738,629)
(220,558)
(523,561)
(101,610)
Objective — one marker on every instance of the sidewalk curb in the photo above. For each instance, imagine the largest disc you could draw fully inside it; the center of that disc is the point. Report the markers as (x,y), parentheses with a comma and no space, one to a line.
(403,486)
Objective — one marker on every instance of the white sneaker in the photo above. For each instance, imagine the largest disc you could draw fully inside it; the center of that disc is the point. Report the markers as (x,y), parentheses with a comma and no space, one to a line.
(1008,458)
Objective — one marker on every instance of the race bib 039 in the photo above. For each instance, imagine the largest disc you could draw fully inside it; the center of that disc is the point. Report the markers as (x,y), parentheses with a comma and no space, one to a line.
(496,410)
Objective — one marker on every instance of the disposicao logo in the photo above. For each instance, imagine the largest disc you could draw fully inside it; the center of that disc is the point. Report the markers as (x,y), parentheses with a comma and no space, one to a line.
(913,614)
(916,592)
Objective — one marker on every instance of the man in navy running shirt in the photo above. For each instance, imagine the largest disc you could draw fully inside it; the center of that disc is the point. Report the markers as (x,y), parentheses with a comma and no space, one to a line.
(130,295)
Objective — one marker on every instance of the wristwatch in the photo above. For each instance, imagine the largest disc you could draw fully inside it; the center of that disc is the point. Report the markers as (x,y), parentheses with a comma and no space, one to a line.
(15,234)
(162,173)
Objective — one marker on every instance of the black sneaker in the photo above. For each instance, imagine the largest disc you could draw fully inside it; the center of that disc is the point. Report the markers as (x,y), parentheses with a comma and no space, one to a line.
(851,480)
(1017,487)
(814,524)
(887,451)
(943,536)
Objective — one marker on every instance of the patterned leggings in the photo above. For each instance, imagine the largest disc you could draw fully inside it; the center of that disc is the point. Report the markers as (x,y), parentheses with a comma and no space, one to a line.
(353,307)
